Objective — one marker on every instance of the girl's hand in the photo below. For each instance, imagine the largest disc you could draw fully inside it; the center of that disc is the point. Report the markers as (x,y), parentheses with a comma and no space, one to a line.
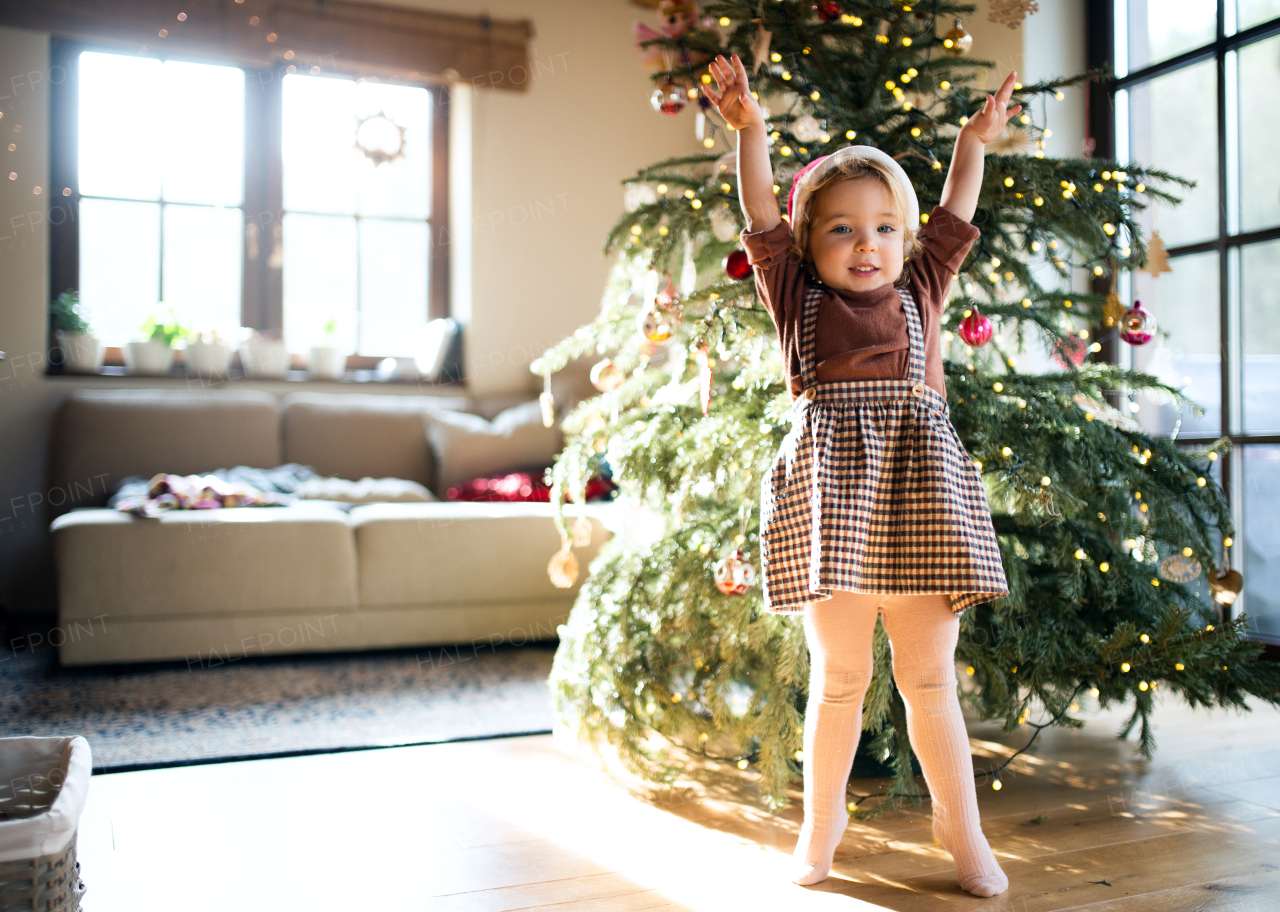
(734,101)
(988,123)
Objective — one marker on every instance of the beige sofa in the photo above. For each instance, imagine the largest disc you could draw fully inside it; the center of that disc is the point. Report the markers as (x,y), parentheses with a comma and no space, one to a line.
(212,587)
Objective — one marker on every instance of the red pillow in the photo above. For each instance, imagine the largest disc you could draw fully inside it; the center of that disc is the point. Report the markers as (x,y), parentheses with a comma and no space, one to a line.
(519,487)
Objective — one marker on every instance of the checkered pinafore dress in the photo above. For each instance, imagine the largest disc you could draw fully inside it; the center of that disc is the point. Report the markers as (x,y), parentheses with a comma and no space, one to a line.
(872,490)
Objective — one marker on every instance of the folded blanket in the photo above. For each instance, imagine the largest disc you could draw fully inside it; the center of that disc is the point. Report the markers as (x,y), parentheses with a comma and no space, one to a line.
(241,486)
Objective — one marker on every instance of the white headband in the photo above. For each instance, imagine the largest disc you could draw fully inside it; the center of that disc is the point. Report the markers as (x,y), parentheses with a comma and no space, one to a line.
(819,168)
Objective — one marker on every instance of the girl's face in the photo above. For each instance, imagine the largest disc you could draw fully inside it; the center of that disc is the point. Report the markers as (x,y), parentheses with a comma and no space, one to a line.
(855,237)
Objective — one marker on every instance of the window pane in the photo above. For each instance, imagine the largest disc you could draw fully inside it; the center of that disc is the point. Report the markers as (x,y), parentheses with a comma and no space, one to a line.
(319,133)
(202,267)
(1160,29)
(119,266)
(319,279)
(1184,302)
(1260,134)
(202,119)
(119,126)
(1261,490)
(1172,127)
(1252,12)
(393,286)
(1260,297)
(401,187)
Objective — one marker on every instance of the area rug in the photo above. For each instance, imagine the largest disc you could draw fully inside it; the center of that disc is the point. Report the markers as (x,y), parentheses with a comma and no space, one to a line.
(149,716)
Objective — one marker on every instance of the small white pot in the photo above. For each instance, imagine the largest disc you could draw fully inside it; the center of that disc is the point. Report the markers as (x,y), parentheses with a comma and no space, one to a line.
(81,354)
(326,363)
(150,357)
(264,357)
(208,358)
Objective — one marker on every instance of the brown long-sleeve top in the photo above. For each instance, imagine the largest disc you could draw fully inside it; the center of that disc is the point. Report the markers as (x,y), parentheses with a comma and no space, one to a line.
(862,335)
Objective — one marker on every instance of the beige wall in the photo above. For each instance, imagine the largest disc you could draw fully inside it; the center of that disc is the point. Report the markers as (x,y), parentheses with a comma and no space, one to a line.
(584,124)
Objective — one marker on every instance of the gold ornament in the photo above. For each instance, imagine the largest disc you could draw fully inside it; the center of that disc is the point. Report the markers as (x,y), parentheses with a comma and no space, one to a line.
(957,42)
(606,376)
(760,46)
(1179,569)
(1157,259)
(581,532)
(1225,585)
(563,568)
(1012,12)
(1113,310)
(657,325)
(1013,141)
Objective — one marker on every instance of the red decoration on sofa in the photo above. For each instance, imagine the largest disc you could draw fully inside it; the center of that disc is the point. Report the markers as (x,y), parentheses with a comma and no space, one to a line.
(519,487)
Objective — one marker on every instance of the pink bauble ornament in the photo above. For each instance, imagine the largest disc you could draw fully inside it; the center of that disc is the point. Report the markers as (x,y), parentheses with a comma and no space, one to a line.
(975,329)
(1072,349)
(606,376)
(669,99)
(734,574)
(1137,326)
(737,266)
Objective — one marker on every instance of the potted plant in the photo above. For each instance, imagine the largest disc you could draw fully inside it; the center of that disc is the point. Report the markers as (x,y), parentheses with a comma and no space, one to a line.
(208,354)
(154,353)
(263,355)
(81,350)
(327,362)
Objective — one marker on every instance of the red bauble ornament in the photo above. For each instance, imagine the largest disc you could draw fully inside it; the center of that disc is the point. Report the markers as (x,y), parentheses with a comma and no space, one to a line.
(1071,348)
(975,329)
(827,10)
(734,574)
(1137,327)
(737,266)
(669,99)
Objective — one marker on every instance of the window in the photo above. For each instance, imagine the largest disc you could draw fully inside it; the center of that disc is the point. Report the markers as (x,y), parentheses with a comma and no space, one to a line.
(1196,94)
(161,169)
(237,197)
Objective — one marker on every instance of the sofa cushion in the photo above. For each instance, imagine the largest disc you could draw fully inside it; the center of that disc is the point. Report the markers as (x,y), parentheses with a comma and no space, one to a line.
(459,553)
(103,436)
(360,435)
(467,446)
(204,562)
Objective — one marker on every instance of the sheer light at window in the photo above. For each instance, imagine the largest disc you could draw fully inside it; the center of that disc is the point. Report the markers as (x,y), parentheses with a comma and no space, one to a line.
(378,286)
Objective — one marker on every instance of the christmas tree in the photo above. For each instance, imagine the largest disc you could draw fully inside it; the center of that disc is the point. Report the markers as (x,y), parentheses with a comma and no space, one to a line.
(1110,537)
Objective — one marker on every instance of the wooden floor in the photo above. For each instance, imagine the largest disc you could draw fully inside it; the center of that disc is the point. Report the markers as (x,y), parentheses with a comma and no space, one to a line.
(522,823)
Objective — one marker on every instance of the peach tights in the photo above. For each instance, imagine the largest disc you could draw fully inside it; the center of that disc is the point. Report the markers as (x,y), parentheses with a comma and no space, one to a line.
(923,631)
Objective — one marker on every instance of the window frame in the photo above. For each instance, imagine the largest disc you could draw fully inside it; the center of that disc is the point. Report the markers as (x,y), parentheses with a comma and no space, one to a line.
(262,288)
(1104,38)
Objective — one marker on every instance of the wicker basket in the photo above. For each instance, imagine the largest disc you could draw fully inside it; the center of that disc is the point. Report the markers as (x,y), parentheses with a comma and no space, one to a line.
(43,784)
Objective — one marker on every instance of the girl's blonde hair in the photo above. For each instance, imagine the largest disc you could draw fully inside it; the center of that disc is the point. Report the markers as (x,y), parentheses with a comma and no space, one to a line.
(854,169)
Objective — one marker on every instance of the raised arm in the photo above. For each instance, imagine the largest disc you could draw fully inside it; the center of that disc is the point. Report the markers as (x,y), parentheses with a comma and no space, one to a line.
(964,180)
(742,112)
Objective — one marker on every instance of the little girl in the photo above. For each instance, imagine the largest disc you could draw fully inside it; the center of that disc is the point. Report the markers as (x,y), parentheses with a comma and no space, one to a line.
(872,506)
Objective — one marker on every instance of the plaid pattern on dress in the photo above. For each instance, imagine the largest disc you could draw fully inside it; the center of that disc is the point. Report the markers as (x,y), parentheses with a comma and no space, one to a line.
(872,491)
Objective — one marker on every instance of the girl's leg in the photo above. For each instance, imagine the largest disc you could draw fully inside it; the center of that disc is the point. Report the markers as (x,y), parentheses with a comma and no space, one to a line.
(838,631)
(923,630)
